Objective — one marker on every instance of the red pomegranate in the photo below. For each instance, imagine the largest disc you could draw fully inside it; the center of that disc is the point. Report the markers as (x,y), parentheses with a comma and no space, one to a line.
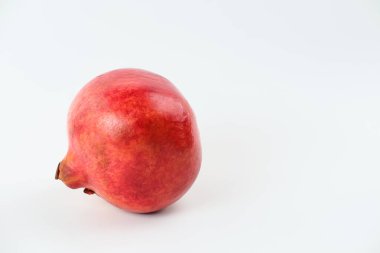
(133,140)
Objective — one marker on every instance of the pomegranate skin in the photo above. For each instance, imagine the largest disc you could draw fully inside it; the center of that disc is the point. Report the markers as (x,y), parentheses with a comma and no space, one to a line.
(133,140)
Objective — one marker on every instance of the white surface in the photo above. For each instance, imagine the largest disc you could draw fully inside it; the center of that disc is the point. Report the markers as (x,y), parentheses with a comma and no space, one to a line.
(287,99)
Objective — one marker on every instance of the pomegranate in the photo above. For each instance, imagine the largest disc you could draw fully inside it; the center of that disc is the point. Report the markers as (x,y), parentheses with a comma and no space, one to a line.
(133,140)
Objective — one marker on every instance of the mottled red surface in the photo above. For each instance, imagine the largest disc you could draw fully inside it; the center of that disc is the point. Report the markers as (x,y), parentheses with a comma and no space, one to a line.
(133,141)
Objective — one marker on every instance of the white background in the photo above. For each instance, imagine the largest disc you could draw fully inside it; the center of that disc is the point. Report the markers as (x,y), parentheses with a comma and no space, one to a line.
(286,95)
